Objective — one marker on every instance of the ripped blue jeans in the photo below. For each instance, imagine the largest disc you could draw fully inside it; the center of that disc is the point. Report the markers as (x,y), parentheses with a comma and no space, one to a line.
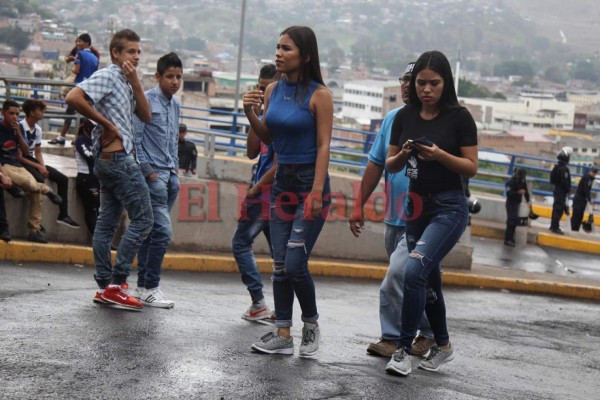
(292,238)
(436,222)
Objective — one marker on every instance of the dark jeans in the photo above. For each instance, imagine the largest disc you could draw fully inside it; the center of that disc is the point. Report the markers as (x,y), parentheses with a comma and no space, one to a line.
(122,185)
(252,222)
(578,212)
(293,237)
(437,225)
(88,188)
(559,207)
(62,184)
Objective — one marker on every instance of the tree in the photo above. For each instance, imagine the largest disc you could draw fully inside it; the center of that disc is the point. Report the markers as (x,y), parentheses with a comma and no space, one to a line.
(513,67)
(15,37)
(584,69)
(555,74)
(335,58)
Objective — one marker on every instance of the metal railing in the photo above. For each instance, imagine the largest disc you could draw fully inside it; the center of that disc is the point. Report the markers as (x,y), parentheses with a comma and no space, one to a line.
(226,132)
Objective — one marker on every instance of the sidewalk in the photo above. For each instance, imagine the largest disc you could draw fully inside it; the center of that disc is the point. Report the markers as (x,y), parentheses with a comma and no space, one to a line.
(480,276)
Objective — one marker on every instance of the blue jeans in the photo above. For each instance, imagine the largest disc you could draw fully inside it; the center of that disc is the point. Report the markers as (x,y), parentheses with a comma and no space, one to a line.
(293,237)
(392,235)
(121,186)
(252,222)
(437,225)
(391,295)
(163,193)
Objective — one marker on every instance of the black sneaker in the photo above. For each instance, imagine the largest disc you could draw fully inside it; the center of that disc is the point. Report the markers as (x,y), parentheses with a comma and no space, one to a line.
(558,231)
(57,141)
(16,192)
(56,199)
(37,237)
(68,222)
(509,243)
(5,235)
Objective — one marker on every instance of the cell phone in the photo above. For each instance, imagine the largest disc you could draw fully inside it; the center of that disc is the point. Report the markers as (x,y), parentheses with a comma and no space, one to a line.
(424,141)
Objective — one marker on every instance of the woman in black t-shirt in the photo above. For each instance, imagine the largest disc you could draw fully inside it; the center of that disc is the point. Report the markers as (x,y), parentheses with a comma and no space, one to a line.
(436,138)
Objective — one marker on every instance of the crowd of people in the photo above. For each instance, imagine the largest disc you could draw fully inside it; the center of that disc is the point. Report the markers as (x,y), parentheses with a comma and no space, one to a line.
(130,151)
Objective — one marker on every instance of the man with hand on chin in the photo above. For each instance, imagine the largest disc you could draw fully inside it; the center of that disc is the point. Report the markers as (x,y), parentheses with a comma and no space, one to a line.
(110,97)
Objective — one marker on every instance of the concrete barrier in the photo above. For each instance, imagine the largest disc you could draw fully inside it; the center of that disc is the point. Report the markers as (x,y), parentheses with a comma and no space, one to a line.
(205,214)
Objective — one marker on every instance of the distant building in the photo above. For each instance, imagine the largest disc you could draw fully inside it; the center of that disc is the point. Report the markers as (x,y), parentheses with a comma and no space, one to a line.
(528,112)
(366,100)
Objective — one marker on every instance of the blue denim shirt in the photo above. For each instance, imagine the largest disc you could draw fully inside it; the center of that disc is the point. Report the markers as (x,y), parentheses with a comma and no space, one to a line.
(156,141)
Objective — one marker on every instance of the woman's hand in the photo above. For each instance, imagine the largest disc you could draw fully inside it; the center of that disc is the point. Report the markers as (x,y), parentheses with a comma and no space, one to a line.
(313,204)
(428,153)
(253,100)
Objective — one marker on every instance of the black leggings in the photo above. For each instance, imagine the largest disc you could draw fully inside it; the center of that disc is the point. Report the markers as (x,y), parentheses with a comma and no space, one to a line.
(88,188)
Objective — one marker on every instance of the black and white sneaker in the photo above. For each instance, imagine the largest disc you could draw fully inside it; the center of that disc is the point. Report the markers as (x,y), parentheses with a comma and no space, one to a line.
(68,221)
(156,298)
(56,140)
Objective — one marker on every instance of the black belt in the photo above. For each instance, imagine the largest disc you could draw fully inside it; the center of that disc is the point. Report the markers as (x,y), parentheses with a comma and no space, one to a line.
(108,155)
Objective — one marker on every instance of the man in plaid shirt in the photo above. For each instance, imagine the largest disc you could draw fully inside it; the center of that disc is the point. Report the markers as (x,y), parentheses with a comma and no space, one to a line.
(110,97)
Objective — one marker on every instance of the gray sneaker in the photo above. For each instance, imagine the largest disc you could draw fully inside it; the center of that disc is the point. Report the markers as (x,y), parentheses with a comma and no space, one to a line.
(399,364)
(272,343)
(311,336)
(437,357)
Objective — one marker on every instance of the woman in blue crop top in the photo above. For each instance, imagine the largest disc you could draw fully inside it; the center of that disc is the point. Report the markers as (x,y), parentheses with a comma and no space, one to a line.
(436,138)
(298,120)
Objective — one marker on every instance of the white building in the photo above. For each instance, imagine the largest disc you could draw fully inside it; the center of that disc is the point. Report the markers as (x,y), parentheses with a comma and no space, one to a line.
(369,99)
(529,111)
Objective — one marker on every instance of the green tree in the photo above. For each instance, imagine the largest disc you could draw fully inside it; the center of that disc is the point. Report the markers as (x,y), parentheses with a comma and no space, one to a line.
(15,37)
(584,69)
(555,74)
(335,58)
(513,67)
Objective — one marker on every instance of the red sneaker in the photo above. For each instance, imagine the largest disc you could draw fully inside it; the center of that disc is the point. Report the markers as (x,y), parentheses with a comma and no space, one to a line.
(98,299)
(119,297)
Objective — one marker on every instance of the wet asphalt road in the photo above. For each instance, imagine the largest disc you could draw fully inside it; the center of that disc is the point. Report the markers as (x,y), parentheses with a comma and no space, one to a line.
(55,343)
(534,258)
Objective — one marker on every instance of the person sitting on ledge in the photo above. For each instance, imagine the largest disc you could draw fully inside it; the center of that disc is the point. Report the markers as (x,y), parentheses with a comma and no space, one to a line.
(12,145)
(34,161)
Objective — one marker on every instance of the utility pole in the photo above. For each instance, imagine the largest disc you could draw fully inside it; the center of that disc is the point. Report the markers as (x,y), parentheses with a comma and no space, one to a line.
(457,73)
(239,60)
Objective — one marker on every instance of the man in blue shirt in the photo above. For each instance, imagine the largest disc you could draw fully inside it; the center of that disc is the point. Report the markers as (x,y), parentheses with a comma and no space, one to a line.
(84,65)
(396,189)
(156,148)
(252,219)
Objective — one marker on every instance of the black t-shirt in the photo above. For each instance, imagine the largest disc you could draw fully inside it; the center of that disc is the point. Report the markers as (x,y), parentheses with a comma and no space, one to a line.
(9,144)
(450,130)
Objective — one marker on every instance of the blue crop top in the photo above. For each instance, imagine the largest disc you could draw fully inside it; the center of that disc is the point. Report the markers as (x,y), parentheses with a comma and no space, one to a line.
(293,127)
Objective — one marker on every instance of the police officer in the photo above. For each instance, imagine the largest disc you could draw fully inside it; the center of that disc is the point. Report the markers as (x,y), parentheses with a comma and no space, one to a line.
(560,177)
(583,196)
(516,189)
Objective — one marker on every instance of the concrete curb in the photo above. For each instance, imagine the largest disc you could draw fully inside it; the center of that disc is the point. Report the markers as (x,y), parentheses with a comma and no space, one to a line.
(71,254)
(567,243)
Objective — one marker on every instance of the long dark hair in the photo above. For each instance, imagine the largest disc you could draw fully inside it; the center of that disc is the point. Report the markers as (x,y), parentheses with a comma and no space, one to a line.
(306,40)
(437,62)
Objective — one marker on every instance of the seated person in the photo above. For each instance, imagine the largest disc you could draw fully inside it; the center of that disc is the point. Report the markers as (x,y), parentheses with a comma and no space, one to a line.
(188,155)
(34,161)
(12,146)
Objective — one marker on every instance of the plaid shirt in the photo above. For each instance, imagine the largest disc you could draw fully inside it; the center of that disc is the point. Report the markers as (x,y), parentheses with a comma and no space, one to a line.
(156,141)
(112,96)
